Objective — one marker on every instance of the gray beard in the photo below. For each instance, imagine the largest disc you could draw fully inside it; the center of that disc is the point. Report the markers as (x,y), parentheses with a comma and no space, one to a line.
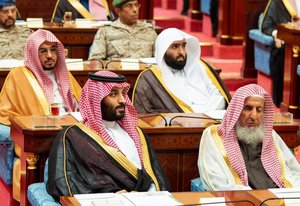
(251,136)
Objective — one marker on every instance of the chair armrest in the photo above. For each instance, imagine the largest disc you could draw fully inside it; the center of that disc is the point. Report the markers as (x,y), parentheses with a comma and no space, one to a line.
(257,35)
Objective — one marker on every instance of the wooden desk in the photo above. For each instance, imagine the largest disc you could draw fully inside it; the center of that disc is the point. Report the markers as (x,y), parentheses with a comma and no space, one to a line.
(291,87)
(115,66)
(176,146)
(77,40)
(192,198)
(93,66)
(35,145)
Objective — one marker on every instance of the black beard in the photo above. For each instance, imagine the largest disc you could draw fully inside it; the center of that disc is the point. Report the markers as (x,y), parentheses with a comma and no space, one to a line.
(173,63)
(4,24)
(109,113)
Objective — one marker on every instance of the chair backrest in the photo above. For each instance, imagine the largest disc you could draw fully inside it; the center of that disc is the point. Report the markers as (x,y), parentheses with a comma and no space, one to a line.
(260,19)
(205,6)
(46,172)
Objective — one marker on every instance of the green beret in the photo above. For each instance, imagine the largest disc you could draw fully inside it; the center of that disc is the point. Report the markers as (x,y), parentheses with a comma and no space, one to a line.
(117,3)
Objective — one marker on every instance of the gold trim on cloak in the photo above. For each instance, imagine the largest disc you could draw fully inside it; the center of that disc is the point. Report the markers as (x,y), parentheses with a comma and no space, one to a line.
(115,154)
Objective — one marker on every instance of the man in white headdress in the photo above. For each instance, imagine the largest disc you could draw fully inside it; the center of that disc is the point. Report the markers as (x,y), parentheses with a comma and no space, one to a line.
(244,152)
(181,83)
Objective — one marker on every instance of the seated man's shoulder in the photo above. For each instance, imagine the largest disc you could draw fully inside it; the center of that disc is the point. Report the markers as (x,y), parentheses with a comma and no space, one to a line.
(212,131)
(21,29)
(19,71)
(144,24)
(108,28)
(149,73)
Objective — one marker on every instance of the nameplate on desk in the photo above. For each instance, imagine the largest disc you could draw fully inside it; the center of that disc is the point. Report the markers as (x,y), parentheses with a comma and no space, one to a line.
(35,22)
(130,64)
(83,23)
(74,64)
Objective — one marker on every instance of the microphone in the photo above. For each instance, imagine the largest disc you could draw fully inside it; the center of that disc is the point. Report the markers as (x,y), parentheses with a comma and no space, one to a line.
(155,115)
(220,202)
(278,198)
(193,117)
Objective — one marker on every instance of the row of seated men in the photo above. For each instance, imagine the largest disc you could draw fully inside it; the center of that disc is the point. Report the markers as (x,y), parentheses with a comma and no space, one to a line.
(129,38)
(242,153)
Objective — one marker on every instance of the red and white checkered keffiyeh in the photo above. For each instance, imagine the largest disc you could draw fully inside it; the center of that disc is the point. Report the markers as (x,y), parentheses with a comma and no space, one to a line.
(227,131)
(92,94)
(33,63)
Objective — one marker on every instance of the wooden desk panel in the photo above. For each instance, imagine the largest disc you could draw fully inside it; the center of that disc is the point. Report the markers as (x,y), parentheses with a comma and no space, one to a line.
(176,146)
(93,66)
(291,87)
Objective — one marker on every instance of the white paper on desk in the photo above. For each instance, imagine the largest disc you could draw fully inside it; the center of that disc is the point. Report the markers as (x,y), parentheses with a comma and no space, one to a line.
(74,64)
(284,190)
(151,198)
(219,201)
(83,23)
(35,22)
(150,60)
(77,116)
(102,199)
(217,114)
(288,193)
(21,23)
(11,63)
(100,23)
(130,64)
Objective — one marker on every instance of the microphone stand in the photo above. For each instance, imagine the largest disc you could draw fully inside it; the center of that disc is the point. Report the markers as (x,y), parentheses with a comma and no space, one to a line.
(155,115)
(193,117)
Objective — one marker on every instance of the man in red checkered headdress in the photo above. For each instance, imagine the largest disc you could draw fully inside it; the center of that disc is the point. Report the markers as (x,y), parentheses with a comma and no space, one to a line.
(244,152)
(31,89)
(107,152)
(44,80)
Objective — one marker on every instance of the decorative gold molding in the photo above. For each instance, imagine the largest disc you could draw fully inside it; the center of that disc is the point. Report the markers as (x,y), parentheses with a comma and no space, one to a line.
(293,107)
(232,37)
(31,160)
(296,51)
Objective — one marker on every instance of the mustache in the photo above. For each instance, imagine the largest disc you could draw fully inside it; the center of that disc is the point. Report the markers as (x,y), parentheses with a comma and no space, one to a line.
(49,59)
(120,106)
(180,55)
(10,18)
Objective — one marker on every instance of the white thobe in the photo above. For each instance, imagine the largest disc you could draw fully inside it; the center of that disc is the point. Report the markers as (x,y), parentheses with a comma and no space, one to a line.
(216,174)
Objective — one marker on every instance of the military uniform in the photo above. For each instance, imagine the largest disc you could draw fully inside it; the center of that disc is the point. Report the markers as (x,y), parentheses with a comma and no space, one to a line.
(12,42)
(117,40)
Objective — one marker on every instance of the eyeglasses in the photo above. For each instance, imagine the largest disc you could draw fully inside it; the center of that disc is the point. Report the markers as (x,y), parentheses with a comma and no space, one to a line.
(44,51)
(131,6)
(7,11)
